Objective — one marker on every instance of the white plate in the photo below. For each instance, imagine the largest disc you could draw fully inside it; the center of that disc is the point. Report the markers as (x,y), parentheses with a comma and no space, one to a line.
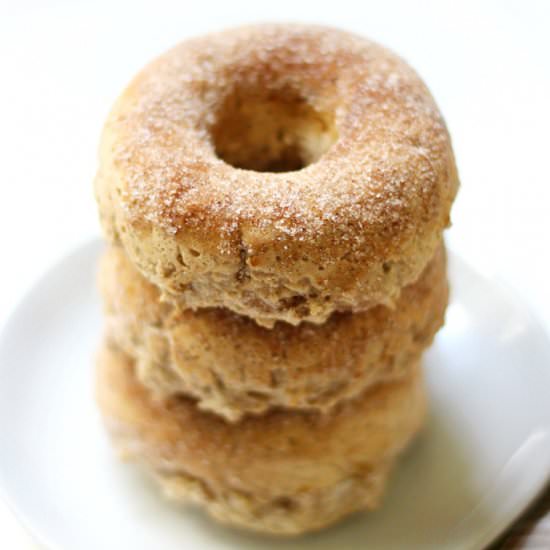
(483,457)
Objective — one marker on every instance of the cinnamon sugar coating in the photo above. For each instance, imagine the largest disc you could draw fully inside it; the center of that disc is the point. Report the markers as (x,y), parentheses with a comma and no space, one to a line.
(284,172)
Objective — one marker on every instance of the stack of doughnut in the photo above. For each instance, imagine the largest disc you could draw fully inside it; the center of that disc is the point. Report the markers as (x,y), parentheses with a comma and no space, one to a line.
(274,197)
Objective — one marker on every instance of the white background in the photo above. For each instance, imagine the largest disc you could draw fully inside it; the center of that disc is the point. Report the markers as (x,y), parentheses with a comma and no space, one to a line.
(63,63)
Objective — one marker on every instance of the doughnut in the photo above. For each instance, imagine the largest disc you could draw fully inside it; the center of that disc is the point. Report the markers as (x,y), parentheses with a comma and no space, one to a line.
(285,472)
(283,172)
(232,366)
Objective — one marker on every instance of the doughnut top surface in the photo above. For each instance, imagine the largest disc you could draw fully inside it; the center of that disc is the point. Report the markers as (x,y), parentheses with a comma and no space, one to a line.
(297,158)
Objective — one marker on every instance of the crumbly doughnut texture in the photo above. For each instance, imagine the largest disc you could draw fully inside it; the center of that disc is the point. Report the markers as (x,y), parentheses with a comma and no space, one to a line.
(232,366)
(285,472)
(281,171)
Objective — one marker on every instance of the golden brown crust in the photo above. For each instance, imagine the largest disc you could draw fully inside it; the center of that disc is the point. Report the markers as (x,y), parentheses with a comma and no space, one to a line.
(232,366)
(280,472)
(304,512)
(344,233)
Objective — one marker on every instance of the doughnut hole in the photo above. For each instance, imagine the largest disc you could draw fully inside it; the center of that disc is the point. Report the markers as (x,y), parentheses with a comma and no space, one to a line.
(274,132)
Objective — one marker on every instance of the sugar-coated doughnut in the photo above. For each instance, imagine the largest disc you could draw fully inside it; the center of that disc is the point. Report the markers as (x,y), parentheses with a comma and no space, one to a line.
(284,472)
(232,366)
(281,171)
